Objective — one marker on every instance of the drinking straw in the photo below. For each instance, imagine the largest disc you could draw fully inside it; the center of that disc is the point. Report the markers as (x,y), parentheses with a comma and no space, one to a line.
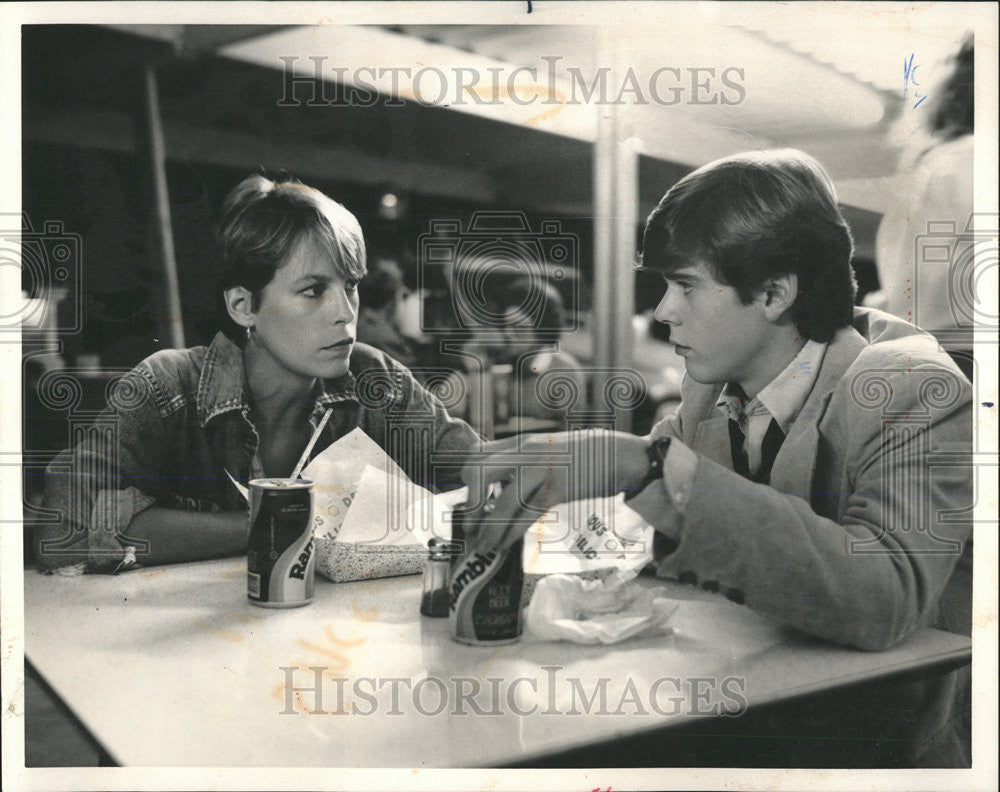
(309,446)
(243,490)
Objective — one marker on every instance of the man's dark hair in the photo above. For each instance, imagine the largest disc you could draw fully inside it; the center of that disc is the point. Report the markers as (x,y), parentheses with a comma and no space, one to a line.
(756,215)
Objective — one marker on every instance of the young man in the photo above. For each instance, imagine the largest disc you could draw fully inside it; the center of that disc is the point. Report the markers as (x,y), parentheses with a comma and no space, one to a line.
(798,474)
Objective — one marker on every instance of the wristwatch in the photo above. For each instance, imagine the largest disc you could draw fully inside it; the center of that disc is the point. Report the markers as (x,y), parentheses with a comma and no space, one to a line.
(656,452)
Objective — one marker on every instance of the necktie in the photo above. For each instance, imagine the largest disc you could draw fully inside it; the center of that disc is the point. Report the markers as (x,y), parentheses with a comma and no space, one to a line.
(773,439)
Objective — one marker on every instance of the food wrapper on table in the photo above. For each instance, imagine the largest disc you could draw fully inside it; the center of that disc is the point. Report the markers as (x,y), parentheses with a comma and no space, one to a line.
(587,536)
(568,608)
(372,521)
(593,540)
(361,501)
(589,539)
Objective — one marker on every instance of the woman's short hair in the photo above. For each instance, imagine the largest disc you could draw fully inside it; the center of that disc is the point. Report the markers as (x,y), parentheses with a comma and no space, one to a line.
(756,215)
(262,222)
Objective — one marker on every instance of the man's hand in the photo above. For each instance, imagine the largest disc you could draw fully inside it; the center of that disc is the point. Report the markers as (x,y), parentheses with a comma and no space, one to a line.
(542,470)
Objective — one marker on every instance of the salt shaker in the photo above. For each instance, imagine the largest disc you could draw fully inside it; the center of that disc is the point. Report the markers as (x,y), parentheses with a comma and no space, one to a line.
(437,578)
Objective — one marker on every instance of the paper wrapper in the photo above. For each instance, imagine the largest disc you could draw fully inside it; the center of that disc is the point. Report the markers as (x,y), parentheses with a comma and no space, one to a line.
(362,503)
(588,536)
(568,608)
(590,539)
(372,521)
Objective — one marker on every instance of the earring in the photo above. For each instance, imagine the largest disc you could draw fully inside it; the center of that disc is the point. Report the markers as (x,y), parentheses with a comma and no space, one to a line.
(249,332)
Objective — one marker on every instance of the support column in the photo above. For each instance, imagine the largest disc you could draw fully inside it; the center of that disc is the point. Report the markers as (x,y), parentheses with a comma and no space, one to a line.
(616,217)
(173,323)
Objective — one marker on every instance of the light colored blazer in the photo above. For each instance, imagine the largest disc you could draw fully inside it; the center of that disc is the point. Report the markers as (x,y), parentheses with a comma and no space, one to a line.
(868,507)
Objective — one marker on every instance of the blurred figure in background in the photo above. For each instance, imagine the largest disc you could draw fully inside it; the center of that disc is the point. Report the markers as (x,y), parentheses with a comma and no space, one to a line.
(380,293)
(936,188)
(532,345)
(921,285)
(508,355)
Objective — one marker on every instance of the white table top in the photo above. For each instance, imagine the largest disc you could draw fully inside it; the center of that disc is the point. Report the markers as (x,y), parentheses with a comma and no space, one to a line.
(171,666)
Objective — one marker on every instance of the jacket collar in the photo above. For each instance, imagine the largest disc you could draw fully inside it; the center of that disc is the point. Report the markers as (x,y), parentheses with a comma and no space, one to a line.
(840,354)
(783,397)
(795,465)
(789,474)
(222,387)
(710,436)
(869,327)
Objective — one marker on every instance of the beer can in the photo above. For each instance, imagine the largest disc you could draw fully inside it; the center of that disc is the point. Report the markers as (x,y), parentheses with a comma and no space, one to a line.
(280,559)
(485,593)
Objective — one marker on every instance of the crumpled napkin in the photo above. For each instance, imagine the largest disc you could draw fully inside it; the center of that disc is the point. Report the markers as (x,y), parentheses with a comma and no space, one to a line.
(569,608)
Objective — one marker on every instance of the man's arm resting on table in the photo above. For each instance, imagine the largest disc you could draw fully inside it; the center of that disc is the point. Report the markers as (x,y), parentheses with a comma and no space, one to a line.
(800,567)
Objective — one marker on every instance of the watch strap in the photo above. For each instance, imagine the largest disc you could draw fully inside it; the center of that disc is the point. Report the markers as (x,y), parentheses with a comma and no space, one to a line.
(656,452)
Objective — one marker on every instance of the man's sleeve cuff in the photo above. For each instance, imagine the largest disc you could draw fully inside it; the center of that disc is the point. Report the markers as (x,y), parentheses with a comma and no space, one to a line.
(679,468)
(662,503)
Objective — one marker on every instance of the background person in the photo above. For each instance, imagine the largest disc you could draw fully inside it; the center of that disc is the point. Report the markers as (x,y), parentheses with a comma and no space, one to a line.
(247,404)
(531,346)
(779,481)
(380,294)
(521,329)
(934,190)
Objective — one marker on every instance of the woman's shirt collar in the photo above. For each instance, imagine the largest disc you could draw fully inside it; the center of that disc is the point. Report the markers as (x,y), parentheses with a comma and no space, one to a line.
(222,387)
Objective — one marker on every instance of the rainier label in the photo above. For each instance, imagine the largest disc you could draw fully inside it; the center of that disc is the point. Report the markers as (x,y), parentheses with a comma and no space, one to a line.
(299,568)
(280,560)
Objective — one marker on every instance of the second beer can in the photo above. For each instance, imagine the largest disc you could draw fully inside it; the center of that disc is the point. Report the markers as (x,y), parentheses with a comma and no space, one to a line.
(280,560)
(485,593)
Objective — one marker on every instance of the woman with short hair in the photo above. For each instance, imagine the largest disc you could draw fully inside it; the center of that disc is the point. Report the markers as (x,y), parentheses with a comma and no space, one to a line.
(153,472)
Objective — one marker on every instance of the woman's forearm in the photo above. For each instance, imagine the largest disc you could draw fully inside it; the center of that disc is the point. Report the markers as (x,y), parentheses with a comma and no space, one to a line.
(174,536)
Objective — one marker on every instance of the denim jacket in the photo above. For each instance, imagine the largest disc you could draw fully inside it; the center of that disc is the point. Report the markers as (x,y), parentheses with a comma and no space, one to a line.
(180,420)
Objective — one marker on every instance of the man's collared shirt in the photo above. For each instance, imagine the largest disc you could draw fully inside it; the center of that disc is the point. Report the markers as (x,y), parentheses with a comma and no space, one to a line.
(781,400)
